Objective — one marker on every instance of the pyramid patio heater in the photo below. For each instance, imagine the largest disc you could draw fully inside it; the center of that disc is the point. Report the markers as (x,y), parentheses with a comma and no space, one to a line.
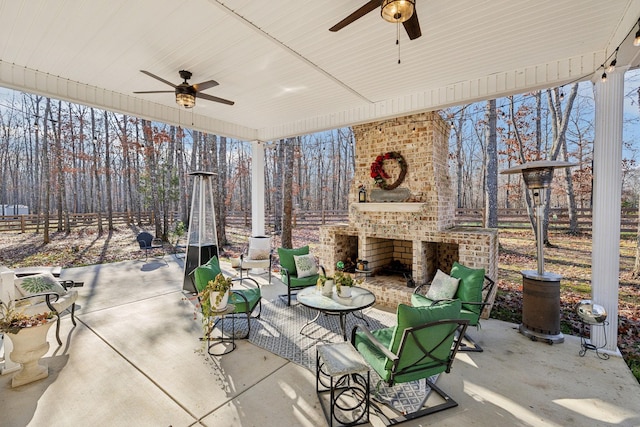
(540,289)
(203,238)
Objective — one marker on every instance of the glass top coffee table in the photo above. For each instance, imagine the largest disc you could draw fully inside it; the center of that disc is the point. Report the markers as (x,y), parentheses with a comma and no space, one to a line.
(334,305)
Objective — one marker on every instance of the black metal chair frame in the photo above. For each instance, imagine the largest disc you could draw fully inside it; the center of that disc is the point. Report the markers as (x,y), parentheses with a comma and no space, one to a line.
(487,290)
(458,331)
(289,294)
(244,258)
(50,298)
(248,315)
(149,243)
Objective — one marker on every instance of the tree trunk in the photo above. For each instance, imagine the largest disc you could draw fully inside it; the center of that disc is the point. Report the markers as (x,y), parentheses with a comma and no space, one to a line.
(491,199)
(279,170)
(287,199)
(222,185)
(107,172)
(459,158)
(96,167)
(636,266)
(47,173)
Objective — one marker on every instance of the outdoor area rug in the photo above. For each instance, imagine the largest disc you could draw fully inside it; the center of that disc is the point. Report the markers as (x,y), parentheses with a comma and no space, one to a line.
(278,331)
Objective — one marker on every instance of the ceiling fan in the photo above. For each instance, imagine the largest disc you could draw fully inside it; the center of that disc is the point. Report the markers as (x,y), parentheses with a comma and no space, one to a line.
(396,11)
(186,94)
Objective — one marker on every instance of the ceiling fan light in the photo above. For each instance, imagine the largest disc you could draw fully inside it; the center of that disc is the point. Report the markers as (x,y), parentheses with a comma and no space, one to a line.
(396,11)
(186,100)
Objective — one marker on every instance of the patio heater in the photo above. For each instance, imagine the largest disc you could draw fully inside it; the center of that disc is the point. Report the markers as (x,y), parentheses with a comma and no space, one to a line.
(540,289)
(202,242)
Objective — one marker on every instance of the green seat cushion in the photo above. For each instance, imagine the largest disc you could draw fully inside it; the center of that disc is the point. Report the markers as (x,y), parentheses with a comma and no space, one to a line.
(470,286)
(471,316)
(252,295)
(297,282)
(412,357)
(374,357)
(418,300)
(286,257)
(204,273)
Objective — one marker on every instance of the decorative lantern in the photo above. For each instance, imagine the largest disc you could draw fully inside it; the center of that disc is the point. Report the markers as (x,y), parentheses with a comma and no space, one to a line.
(202,242)
(362,194)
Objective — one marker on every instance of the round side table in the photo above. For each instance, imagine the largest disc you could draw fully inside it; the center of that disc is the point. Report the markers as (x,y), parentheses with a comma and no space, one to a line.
(226,343)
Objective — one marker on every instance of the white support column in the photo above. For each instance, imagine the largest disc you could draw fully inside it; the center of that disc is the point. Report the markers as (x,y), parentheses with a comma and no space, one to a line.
(257,188)
(607,192)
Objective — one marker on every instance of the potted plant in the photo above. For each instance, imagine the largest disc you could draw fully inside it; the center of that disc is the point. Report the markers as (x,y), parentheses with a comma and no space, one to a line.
(215,295)
(344,283)
(325,285)
(28,334)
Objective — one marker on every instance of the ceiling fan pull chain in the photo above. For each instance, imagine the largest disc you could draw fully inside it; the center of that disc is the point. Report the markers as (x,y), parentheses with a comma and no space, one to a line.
(398,39)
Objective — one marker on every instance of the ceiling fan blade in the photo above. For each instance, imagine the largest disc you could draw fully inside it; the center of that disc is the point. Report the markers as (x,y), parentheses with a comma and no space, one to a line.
(156,91)
(412,26)
(213,98)
(205,85)
(366,8)
(158,78)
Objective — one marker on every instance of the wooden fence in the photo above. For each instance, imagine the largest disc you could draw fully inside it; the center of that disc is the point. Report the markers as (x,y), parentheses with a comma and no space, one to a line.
(558,218)
(507,218)
(24,223)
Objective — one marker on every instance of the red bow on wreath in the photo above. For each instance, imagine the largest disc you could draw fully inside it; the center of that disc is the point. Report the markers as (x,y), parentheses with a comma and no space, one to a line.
(379,175)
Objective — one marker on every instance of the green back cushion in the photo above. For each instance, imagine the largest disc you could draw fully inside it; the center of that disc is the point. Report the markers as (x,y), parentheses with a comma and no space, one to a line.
(297,282)
(286,257)
(409,317)
(206,272)
(470,286)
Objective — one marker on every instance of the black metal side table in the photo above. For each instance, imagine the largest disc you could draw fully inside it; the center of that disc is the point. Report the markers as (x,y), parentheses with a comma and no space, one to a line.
(585,343)
(227,343)
(343,374)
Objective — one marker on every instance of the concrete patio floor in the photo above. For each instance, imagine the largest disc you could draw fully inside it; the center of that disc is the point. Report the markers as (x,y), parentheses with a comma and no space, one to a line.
(135,359)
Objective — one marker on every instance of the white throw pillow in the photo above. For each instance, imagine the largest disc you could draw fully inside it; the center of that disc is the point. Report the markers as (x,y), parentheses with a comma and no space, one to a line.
(442,286)
(258,254)
(37,284)
(305,265)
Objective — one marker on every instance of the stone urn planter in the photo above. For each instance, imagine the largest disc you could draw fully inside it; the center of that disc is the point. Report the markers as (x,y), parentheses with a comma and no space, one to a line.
(29,345)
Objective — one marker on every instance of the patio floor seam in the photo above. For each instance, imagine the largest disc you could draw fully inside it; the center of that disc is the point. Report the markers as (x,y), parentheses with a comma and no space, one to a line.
(126,359)
(247,390)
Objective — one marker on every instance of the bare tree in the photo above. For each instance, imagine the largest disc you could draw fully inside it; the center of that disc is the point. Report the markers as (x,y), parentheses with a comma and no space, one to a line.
(287,198)
(491,189)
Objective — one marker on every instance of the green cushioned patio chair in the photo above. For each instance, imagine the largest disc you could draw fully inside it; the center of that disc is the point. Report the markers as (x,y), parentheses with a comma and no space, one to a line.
(423,343)
(474,291)
(245,293)
(289,273)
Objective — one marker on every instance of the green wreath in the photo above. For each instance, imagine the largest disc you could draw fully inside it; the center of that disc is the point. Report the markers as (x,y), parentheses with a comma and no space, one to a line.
(380,176)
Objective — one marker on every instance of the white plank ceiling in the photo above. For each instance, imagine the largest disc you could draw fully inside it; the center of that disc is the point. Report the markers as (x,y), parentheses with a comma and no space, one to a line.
(287,73)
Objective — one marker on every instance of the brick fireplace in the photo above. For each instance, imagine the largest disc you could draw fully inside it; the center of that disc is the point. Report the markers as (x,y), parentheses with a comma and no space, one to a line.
(418,232)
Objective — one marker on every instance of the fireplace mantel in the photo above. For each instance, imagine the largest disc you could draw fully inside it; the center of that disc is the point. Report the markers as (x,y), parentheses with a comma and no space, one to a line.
(388,207)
